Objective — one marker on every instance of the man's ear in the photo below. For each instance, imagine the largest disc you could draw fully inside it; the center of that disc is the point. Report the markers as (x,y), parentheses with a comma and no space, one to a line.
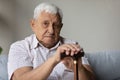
(32,23)
(61,25)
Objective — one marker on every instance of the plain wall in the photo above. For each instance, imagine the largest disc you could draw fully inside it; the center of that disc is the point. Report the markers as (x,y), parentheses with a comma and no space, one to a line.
(95,24)
(7,20)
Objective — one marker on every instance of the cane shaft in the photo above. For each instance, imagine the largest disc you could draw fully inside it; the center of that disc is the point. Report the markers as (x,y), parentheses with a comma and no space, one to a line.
(75,58)
(76,74)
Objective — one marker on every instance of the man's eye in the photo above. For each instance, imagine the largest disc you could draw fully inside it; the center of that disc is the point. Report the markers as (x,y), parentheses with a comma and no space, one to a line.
(45,24)
(57,25)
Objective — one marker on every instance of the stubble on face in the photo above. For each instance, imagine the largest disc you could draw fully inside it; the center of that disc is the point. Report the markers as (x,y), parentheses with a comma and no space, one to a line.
(48,31)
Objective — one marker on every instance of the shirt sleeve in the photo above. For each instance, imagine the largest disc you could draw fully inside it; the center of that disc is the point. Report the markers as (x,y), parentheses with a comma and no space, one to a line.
(18,57)
(85,61)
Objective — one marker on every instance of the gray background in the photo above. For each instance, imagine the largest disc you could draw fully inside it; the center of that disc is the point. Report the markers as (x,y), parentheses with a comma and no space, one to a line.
(95,24)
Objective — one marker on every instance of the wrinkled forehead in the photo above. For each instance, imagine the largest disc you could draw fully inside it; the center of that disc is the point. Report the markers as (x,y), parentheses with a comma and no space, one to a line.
(46,15)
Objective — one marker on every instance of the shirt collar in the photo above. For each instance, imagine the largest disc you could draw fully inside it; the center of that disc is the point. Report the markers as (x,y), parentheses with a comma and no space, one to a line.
(59,42)
(52,47)
(35,43)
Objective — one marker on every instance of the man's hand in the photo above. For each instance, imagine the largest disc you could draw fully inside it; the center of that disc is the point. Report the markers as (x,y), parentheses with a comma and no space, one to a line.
(68,49)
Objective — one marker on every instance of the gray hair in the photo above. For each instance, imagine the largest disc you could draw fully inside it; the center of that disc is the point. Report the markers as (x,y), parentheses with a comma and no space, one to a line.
(47,7)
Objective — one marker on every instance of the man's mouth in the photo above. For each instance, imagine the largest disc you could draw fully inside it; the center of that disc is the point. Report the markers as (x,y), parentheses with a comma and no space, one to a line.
(50,36)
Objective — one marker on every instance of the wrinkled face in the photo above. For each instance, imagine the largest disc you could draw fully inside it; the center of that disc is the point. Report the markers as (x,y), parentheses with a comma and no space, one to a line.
(47,28)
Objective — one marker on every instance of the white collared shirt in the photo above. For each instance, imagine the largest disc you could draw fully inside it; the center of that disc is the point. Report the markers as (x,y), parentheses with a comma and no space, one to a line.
(30,52)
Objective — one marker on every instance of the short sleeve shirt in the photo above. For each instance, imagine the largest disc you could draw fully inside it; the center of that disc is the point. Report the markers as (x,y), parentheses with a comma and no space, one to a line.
(29,52)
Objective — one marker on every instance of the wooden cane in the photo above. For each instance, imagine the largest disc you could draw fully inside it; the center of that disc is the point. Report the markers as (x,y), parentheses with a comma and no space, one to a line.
(75,59)
(76,75)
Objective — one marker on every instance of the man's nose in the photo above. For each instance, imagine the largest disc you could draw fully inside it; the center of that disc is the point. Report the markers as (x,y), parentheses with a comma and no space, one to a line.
(51,29)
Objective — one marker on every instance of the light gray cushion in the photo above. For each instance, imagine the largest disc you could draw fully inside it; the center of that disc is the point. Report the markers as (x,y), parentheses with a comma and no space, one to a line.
(105,64)
(3,67)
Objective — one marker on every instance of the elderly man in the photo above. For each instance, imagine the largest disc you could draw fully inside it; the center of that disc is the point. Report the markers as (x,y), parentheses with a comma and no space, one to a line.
(38,57)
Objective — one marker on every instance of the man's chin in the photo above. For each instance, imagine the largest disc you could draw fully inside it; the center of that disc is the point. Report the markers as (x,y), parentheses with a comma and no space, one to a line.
(50,42)
(50,39)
